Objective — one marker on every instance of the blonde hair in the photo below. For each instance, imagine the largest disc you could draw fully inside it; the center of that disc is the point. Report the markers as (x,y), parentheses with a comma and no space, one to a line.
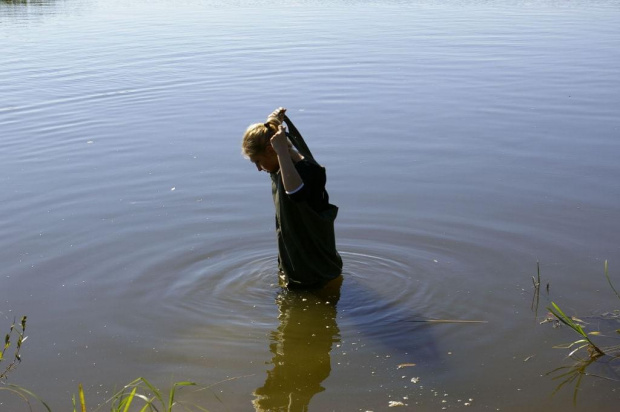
(257,137)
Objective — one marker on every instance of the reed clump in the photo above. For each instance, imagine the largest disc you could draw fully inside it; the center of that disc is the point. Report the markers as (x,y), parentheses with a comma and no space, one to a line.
(15,339)
(18,329)
(139,394)
(585,341)
(585,344)
(142,394)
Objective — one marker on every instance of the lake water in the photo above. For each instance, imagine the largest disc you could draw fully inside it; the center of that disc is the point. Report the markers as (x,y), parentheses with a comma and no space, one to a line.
(464,141)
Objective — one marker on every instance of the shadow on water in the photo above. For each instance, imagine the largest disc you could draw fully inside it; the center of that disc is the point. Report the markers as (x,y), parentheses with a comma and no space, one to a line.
(390,323)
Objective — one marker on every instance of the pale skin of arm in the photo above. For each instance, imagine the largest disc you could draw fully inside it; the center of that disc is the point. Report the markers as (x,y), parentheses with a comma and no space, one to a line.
(287,158)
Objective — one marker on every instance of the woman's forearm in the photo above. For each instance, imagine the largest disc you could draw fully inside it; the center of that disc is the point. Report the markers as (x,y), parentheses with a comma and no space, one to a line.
(290,177)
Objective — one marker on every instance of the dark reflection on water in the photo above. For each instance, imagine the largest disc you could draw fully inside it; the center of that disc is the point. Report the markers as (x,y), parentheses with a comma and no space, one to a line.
(585,362)
(308,332)
(301,347)
(571,376)
(396,326)
(29,2)
(465,141)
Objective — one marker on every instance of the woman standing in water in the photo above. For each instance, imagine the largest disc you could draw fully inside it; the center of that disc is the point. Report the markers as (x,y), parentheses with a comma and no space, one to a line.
(307,255)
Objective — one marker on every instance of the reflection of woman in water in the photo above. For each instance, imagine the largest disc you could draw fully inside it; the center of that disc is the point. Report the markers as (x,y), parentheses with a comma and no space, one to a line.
(301,348)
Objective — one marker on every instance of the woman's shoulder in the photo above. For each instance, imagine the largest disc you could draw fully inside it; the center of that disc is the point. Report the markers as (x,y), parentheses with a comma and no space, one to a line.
(309,164)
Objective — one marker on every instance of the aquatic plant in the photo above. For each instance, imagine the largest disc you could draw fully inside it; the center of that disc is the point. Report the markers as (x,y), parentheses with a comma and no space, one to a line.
(609,280)
(585,342)
(144,392)
(575,372)
(141,389)
(571,373)
(25,395)
(139,394)
(20,330)
(536,297)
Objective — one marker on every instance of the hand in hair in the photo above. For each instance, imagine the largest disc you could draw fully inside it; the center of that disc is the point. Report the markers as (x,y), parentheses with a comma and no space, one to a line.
(279,141)
(277,116)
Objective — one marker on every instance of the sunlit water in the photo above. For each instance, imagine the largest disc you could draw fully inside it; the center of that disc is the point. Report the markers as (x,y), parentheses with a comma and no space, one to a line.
(464,141)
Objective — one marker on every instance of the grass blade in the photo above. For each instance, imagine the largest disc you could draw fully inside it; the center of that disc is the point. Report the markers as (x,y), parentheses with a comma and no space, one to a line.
(577,350)
(82,400)
(555,309)
(609,280)
(173,391)
(129,399)
(155,391)
(21,391)
(576,391)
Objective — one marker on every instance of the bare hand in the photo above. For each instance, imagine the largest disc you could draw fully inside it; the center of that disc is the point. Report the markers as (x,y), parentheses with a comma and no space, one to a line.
(277,116)
(279,141)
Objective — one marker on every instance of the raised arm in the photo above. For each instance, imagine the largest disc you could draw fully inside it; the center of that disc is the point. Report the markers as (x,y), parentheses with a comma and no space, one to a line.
(286,158)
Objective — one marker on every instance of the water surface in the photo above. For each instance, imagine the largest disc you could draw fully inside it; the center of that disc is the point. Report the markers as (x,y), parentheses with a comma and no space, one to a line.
(464,141)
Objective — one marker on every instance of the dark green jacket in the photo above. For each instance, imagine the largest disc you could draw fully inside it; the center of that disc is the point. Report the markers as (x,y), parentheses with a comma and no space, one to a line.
(306,242)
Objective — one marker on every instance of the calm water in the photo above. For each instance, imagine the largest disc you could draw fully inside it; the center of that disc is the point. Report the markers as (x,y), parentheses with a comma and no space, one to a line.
(464,141)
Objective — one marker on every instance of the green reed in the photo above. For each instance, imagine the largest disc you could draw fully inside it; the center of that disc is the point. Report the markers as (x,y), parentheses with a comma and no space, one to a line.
(139,394)
(569,374)
(16,330)
(25,395)
(536,297)
(574,373)
(586,342)
(19,330)
(142,394)
(609,280)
